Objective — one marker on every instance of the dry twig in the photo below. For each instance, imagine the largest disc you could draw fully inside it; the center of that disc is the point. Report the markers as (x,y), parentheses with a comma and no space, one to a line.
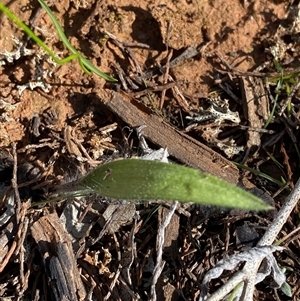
(250,271)
(159,250)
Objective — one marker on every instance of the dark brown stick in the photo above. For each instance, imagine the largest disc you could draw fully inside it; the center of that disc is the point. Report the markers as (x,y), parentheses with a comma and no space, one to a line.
(179,145)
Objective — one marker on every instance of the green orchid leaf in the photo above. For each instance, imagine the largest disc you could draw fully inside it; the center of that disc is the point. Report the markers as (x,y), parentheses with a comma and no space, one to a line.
(144,180)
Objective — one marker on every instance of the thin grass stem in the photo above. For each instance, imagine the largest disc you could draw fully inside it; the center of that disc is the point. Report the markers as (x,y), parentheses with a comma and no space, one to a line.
(85,64)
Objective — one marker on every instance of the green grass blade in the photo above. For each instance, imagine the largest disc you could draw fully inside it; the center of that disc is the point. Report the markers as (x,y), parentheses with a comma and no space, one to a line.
(260,174)
(27,30)
(58,27)
(144,180)
(84,63)
(95,70)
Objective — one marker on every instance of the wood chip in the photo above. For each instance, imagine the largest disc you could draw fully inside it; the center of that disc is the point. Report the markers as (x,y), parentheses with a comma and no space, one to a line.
(256,108)
(59,260)
(179,145)
(170,246)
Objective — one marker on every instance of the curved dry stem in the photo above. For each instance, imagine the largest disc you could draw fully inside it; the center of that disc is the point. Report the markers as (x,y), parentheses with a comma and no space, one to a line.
(249,272)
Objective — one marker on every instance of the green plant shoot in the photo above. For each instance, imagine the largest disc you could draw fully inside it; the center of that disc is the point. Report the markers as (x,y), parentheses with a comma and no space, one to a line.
(135,179)
(85,64)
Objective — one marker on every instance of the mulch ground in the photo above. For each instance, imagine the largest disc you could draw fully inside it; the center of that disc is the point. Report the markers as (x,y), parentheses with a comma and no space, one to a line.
(214,83)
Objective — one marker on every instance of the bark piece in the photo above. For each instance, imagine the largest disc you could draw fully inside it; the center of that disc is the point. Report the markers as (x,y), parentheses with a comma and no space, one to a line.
(170,246)
(179,145)
(59,260)
(256,108)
